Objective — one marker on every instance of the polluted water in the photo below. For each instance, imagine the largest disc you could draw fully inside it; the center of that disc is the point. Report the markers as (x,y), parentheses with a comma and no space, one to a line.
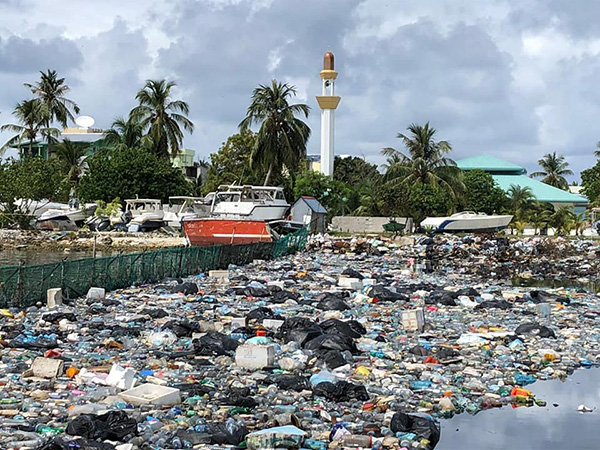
(357,343)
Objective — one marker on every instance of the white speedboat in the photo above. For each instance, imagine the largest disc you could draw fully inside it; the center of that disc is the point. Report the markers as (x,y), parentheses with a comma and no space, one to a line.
(467,221)
(181,207)
(66,216)
(249,203)
(145,213)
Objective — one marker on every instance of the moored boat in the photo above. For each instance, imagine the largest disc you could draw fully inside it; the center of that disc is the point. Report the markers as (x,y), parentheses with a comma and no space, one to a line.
(467,221)
(238,215)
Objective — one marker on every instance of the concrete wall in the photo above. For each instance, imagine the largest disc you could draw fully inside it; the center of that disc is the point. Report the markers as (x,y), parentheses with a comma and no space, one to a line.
(353,224)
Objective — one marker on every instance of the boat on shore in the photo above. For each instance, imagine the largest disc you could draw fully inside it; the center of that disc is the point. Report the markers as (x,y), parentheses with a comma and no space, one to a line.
(145,213)
(239,215)
(467,221)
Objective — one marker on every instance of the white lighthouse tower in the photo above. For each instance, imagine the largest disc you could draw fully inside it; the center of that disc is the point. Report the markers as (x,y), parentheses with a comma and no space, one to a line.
(328,103)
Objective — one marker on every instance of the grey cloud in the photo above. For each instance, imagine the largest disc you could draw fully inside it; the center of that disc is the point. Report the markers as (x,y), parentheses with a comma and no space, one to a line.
(21,55)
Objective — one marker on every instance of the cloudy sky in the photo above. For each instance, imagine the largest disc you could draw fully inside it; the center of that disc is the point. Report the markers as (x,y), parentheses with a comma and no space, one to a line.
(512,79)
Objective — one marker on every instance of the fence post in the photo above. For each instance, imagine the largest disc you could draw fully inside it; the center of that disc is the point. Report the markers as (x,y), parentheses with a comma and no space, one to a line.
(20,283)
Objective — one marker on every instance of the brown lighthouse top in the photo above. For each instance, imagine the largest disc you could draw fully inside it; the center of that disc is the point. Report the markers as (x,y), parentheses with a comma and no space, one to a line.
(328,61)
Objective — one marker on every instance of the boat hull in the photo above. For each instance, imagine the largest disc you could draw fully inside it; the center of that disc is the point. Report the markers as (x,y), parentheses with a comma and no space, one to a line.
(469,225)
(206,232)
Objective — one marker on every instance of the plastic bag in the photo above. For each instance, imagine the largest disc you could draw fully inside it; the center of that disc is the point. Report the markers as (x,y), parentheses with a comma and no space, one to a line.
(499,304)
(185,289)
(34,342)
(215,344)
(113,425)
(79,444)
(228,433)
(332,303)
(278,437)
(384,294)
(288,382)
(342,391)
(336,326)
(332,342)
(420,424)
(535,329)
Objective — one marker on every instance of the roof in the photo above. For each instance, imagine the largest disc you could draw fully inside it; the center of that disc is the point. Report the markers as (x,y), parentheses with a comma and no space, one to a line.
(313,204)
(490,164)
(542,191)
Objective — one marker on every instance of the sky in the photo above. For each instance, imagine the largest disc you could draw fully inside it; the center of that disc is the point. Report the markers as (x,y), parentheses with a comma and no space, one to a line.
(512,79)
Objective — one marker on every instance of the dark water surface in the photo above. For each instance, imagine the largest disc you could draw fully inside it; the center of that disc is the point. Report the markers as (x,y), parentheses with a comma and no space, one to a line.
(547,428)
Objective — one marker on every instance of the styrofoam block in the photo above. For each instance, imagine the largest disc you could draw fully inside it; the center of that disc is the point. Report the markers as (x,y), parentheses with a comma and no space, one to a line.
(238,322)
(219,274)
(413,319)
(350,283)
(47,367)
(151,394)
(54,297)
(121,377)
(96,293)
(279,284)
(272,324)
(255,356)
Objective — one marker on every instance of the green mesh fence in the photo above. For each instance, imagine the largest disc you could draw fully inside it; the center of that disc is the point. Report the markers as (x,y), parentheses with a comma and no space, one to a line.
(23,286)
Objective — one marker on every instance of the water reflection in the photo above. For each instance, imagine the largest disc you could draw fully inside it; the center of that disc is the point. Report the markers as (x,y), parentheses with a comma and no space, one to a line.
(547,428)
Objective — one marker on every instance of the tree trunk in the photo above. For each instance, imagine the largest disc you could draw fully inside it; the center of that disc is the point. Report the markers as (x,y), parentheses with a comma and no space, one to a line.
(268,177)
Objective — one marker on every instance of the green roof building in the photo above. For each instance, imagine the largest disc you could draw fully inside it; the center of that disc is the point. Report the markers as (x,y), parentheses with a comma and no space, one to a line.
(506,174)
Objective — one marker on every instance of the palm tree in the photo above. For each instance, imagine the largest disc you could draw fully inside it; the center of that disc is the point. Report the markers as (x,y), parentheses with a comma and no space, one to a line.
(72,157)
(425,163)
(597,151)
(554,169)
(282,137)
(32,116)
(124,133)
(162,117)
(520,200)
(51,90)
(563,221)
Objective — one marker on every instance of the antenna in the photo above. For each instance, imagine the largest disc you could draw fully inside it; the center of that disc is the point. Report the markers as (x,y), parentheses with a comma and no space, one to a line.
(85,121)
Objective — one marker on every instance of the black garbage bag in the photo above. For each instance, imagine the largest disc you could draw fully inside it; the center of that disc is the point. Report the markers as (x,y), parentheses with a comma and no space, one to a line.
(259,314)
(383,294)
(58,316)
(469,292)
(331,358)
(215,344)
(351,273)
(185,289)
(113,426)
(336,326)
(342,391)
(34,342)
(332,342)
(332,302)
(299,329)
(184,328)
(155,313)
(535,329)
(228,433)
(497,304)
(283,296)
(76,444)
(541,296)
(288,382)
(357,327)
(419,350)
(239,397)
(420,424)
(256,292)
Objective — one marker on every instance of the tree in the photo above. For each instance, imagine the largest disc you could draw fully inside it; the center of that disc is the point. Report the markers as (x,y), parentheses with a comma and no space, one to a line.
(563,220)
(520,200)
(554,170)
(539,216)
(282,137)
(482,194)
(33,117)
(425,163)
(590,180)
(52,91)
(162,116)
(231,164)
(124,133)
(72,156)
(29,179)
(597,151)
(423,200)
(130,172)
(353,170)
(332,194)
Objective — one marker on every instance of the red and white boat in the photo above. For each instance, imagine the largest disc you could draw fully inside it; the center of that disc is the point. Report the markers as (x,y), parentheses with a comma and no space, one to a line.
(238,215)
